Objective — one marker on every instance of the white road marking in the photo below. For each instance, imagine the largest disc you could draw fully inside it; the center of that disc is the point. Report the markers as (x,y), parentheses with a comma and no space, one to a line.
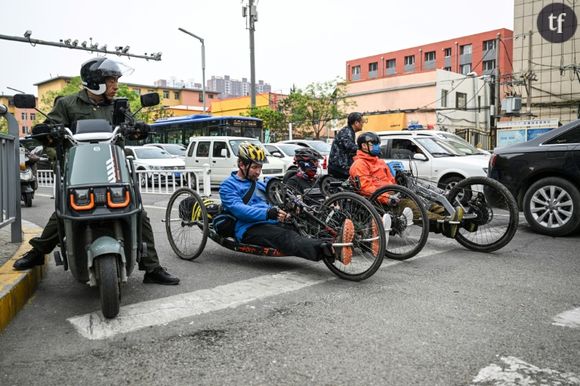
(570,318)
(514,371)
(160,311)
(169,309)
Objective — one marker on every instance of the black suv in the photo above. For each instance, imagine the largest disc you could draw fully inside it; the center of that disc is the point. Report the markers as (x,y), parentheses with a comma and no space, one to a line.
(544,176)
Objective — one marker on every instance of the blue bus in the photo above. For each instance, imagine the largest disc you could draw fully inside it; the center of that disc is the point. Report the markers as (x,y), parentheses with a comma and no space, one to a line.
(180,129)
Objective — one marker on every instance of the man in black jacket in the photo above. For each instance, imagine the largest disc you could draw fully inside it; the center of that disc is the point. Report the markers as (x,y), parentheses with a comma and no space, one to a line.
(344,147)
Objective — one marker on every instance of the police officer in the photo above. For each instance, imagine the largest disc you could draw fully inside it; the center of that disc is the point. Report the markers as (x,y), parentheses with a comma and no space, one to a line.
(99,77)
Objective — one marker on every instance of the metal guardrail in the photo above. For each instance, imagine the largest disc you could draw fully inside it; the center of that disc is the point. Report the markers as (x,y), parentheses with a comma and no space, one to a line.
(156,181)
(10,177)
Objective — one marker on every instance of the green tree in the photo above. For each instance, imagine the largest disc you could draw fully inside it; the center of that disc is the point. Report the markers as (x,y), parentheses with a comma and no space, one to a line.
(310,110)
(273,120)
(3,126)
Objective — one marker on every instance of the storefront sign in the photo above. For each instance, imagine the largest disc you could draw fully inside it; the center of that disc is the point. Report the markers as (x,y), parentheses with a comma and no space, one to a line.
(557,22)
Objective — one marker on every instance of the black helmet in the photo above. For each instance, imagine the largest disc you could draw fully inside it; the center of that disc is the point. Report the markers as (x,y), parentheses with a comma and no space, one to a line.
(95,71)
(367,137)
(354,117)
(306,154)
(249,152)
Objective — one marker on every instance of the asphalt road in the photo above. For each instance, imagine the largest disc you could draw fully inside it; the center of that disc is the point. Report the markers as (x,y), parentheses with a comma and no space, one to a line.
(447,317)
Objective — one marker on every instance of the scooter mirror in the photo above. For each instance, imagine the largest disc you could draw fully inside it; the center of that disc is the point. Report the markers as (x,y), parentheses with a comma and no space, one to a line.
(151,99)
(25,101)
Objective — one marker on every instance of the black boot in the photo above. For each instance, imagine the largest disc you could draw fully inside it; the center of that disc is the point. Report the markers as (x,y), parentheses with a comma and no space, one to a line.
(160,276)
(30,259)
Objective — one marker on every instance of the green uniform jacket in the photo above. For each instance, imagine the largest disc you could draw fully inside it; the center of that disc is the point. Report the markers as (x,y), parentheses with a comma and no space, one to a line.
(72,108)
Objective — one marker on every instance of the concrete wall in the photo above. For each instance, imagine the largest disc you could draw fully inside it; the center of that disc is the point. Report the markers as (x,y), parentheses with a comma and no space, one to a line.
(555,94)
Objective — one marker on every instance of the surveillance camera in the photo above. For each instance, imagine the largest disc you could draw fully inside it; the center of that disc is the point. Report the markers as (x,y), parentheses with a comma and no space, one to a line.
(67,42)
(75,43)
(126,49)
(27,34)
(84,44)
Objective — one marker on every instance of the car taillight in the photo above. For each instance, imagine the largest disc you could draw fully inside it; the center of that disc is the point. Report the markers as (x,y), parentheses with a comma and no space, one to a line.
(324,162)
(492,160)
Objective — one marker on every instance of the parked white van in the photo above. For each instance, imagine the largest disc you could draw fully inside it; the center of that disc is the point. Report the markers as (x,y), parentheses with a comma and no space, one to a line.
(221,154)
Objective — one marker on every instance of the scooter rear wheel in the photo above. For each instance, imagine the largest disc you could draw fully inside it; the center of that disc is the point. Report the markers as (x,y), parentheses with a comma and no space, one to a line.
(109,289)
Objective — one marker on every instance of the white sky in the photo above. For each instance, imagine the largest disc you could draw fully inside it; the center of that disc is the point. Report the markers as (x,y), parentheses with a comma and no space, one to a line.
(296,42)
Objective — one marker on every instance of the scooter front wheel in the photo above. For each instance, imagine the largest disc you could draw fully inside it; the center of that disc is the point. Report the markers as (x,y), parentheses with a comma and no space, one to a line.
(109,289)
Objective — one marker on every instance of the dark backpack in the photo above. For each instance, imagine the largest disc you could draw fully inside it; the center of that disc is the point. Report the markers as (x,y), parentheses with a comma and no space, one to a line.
(224,223)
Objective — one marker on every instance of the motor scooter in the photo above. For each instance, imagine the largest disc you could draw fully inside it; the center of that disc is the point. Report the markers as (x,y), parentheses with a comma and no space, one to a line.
(97,199)
(28,181)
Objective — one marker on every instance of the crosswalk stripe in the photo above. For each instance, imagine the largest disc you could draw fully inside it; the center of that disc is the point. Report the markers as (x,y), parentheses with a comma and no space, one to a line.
(570,318)
(164,310)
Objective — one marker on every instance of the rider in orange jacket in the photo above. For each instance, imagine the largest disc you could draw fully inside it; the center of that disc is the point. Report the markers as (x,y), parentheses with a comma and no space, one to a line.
(373,173)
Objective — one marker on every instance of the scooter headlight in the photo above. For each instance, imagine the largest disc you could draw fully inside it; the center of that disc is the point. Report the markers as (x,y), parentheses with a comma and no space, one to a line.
(118,197)
(82,199)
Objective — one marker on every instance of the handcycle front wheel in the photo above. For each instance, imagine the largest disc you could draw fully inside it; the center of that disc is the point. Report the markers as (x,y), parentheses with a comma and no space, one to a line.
(186,223)
(491,214)
(409,221)
(369,241)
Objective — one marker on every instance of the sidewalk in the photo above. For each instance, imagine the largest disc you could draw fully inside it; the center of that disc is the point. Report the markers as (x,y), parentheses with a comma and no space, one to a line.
(16,287)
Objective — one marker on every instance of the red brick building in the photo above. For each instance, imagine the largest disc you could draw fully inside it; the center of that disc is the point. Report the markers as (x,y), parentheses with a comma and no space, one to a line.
(465,54)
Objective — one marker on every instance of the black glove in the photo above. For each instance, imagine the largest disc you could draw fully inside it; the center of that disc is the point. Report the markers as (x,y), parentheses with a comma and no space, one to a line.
(272,213)
(139,131)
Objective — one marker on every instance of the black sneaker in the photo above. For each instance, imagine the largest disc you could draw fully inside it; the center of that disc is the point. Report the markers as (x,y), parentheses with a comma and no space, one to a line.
(30,259)
(160,276)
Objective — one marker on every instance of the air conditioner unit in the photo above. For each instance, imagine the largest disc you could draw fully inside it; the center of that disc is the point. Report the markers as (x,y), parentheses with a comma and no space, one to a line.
(512,104)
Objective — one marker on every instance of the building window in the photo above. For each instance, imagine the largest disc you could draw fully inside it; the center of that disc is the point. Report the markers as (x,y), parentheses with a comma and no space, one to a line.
(32,116)
(488,65)
(137,90)
(373,69)
(430,56)
(409,60)
(444,97)
(355,73)
(447,52)
(176,94)
(489,45)
(466,68)
(210,96)
(165,94)
(461,101)
(24,116)
(447,68)
(23,129)
(465,50)
(391,64)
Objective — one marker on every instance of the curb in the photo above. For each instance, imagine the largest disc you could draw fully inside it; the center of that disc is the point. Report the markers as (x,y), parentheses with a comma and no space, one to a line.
(17,287)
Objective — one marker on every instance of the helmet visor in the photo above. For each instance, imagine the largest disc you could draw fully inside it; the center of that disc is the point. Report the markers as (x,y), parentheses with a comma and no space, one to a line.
(113,68)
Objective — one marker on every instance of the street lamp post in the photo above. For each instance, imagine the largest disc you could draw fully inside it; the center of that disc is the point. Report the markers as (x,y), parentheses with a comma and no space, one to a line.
(202,63)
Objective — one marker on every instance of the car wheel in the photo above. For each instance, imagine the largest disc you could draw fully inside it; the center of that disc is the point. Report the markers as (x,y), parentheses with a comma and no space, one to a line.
(552,206)
(447,183)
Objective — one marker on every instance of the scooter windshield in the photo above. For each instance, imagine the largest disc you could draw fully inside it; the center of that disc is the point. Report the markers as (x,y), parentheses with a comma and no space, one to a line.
(96,164)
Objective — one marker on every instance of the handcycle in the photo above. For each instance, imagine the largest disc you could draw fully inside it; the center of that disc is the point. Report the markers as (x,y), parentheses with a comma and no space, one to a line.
(188,226)
(491,217)
(408,229)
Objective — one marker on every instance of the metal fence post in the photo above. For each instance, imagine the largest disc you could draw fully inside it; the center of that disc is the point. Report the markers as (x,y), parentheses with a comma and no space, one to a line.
(206,180)
(11,168)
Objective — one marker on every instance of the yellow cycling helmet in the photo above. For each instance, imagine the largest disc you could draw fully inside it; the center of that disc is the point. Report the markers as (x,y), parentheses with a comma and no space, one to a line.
(250,152)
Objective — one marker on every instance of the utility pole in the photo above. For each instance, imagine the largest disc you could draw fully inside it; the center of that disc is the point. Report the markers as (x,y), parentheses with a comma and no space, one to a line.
(529,75)
(251,14)
(202,41)
(497,101)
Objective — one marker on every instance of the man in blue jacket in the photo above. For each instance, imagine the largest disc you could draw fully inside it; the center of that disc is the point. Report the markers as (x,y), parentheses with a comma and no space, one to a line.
(259,223)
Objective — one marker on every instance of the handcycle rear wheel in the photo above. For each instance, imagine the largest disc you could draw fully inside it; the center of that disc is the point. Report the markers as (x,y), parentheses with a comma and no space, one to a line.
(407,239)
(491,214)
(369,240)
(186,223)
